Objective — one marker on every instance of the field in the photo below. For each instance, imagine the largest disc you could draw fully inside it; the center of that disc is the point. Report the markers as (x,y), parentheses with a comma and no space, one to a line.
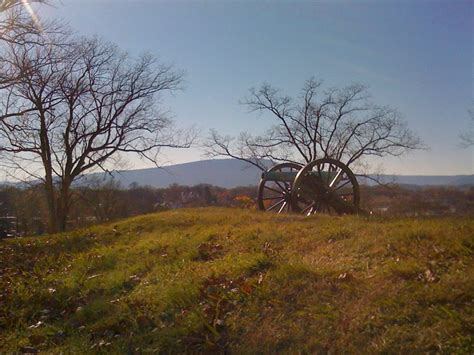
(239,281)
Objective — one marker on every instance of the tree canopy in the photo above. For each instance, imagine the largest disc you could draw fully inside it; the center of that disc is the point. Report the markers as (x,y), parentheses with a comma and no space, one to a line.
(339,123)
(71,105)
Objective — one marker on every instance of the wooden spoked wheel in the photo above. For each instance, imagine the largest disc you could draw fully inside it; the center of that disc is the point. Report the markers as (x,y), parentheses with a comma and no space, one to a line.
(274,192)
(325,186)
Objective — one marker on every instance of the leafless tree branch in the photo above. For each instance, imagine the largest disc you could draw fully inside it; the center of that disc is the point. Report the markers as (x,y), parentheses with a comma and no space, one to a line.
(338,123)
(72,106)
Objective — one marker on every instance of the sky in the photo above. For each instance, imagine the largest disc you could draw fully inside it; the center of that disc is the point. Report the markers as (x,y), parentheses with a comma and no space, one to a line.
(416,56)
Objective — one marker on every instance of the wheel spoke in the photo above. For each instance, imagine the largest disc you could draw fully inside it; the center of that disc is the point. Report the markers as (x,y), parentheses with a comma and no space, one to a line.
(308,207)
(282,207)
(271,189)
(275,205)
(281,187)
(330,169)
(344,184)
(321,184)
(320,169)
(276,198)
(335,178)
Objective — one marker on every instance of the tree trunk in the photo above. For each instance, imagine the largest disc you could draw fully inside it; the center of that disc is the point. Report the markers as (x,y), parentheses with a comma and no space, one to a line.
(51,201)
(63,205)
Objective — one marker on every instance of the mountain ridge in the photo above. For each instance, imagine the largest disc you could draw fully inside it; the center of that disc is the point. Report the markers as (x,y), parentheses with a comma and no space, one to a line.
(230,173)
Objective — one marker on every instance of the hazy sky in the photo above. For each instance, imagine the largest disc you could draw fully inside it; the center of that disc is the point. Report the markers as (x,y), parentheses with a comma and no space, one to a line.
(415,55)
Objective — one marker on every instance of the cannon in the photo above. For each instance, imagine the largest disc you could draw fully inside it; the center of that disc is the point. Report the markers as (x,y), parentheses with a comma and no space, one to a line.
(322,186)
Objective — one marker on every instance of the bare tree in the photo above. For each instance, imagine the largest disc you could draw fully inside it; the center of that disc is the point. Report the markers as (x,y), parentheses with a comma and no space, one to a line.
(73,108)
(18,21)
(6,5)
(20,25)
(334,123)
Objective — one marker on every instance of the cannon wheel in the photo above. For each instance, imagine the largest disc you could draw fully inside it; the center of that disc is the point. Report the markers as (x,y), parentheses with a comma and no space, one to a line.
(276,195)
(336,192)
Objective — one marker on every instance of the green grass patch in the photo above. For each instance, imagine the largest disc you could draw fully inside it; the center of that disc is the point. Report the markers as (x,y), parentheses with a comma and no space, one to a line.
(229,280)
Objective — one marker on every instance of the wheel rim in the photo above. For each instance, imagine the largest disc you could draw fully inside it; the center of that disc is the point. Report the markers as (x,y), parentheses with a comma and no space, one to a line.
(325,186)
(275,196)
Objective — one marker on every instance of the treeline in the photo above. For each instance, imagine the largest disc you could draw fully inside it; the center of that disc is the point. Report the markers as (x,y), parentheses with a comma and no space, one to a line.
(108,202)
(397,200)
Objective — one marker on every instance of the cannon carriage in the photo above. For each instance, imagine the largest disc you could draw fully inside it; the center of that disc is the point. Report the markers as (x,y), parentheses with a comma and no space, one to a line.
(322,186)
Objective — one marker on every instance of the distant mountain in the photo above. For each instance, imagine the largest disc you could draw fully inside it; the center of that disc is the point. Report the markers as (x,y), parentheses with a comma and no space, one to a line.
(430,180)
(230,173)
(226,173)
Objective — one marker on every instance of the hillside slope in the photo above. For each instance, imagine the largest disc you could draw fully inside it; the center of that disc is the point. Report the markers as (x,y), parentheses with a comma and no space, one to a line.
(236,281)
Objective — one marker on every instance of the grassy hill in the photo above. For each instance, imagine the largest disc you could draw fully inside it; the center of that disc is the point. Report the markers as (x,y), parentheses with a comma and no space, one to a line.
(236,281)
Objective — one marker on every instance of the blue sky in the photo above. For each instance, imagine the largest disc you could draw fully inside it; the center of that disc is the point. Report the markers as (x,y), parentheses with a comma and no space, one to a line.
(415,55)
